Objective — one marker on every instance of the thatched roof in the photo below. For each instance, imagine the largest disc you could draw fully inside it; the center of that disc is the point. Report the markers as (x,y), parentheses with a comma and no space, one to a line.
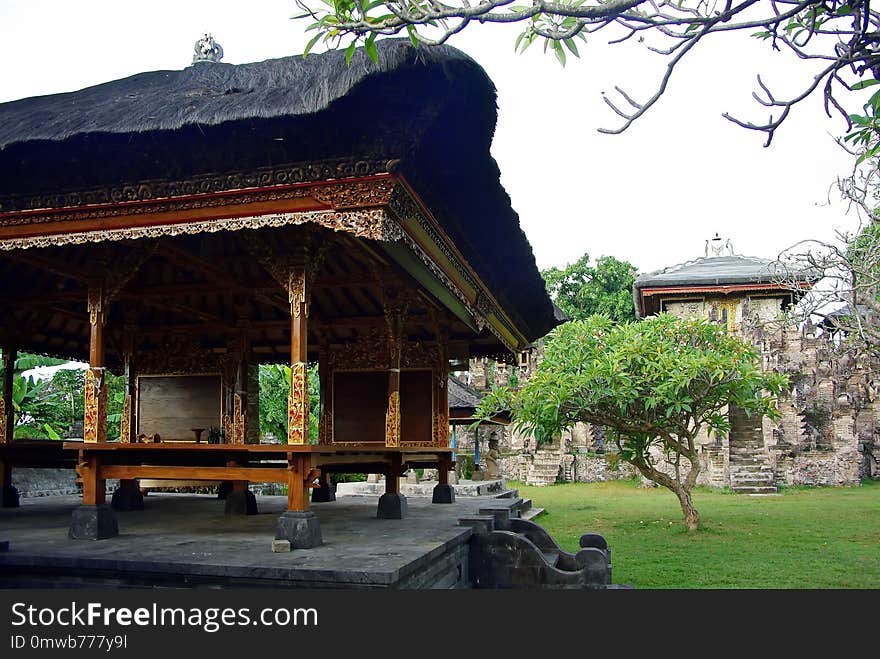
(431,111)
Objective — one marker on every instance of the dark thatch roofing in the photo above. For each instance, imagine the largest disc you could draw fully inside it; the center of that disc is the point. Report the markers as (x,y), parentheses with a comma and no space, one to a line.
(432,110)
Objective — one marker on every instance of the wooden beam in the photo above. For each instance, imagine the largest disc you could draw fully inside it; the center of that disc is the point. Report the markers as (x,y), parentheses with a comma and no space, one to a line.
(253,474)
(187,310)
(193,263)
(49,265)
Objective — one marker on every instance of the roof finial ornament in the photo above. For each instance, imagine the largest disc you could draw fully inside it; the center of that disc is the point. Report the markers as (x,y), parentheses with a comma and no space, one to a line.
(207,50)
(715,248)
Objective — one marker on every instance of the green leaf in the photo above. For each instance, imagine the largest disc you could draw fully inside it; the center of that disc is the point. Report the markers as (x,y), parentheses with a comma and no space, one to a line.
(311,43)
(560,52)
(370,48)
(349,52)
(862,84)
(569,43)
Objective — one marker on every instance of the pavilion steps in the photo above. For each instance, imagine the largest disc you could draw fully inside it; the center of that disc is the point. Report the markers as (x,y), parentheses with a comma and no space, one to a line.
(508,551)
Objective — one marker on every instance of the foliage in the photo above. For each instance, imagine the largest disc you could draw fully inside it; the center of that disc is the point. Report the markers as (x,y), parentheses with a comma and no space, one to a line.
(653,385)
(581,290)
(838,37)
(115,402)
(847,298)
(34,403)
(274,390)
(804,538)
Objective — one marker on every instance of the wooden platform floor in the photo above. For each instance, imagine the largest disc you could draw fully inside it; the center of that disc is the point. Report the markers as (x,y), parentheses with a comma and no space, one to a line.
(187,541)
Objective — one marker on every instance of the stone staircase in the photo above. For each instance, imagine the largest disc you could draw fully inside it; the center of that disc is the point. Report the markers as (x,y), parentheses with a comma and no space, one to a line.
(545,467)
(508,551)
(526,510)
(750,470)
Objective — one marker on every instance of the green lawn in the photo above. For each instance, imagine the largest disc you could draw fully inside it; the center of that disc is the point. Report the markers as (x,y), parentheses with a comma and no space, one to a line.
(804,538)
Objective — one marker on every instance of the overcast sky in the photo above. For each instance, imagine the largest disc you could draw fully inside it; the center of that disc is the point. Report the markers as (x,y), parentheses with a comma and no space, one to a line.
(651,196)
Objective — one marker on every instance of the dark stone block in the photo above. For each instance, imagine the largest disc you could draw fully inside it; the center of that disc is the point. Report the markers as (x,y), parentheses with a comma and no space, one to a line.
(325,493)
(593,540)
(127,496)
(443,494)
(241,503)
(391,506)
(301,529)
(224,489)
(93,523)
(10,496)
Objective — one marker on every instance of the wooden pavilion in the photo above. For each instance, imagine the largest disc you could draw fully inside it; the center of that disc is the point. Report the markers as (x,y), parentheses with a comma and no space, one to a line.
(196,223)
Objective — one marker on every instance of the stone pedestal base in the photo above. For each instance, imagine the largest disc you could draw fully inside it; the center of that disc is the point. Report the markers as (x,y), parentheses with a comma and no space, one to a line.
(93,523)
(9,496)
(391,506)
(241,503)
(127,497)
(477,475)
(224,489)
(443,494)
(326,492)
(301,529)
(372,478)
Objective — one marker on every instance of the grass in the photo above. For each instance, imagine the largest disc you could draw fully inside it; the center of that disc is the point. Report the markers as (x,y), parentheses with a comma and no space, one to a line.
(804,538)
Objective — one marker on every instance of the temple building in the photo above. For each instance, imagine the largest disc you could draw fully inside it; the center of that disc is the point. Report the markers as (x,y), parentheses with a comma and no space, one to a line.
(182,227)
(829,419)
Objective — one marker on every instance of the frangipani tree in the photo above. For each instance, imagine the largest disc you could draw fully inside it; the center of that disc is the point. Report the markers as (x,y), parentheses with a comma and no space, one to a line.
(654,385)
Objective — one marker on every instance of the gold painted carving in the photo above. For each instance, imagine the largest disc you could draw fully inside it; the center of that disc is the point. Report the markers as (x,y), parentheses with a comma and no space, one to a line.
(95,406)
(2,421)
(298,406)
(238,421)
(228,429)
(95,305)
(392,420)
(296,291)
(356,194)
(374,224)
(125,421)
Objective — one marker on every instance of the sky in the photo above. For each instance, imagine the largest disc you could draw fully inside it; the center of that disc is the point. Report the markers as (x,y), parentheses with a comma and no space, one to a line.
(652,195)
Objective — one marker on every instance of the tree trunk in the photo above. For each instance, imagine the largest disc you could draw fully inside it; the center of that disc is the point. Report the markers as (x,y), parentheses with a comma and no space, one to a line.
(681,490)
(691,516)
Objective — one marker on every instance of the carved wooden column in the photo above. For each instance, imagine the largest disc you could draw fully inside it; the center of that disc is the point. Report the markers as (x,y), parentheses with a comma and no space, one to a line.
(392,504)
(394,306)
(128,423)
(441,438)
(325,379)
(240,415)
(95,421)
(298,400)
(299,525)
(443,491)
(128,495)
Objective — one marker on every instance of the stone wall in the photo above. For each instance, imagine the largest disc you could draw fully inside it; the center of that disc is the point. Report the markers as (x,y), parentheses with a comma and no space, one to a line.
(828,432)
(32,482)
